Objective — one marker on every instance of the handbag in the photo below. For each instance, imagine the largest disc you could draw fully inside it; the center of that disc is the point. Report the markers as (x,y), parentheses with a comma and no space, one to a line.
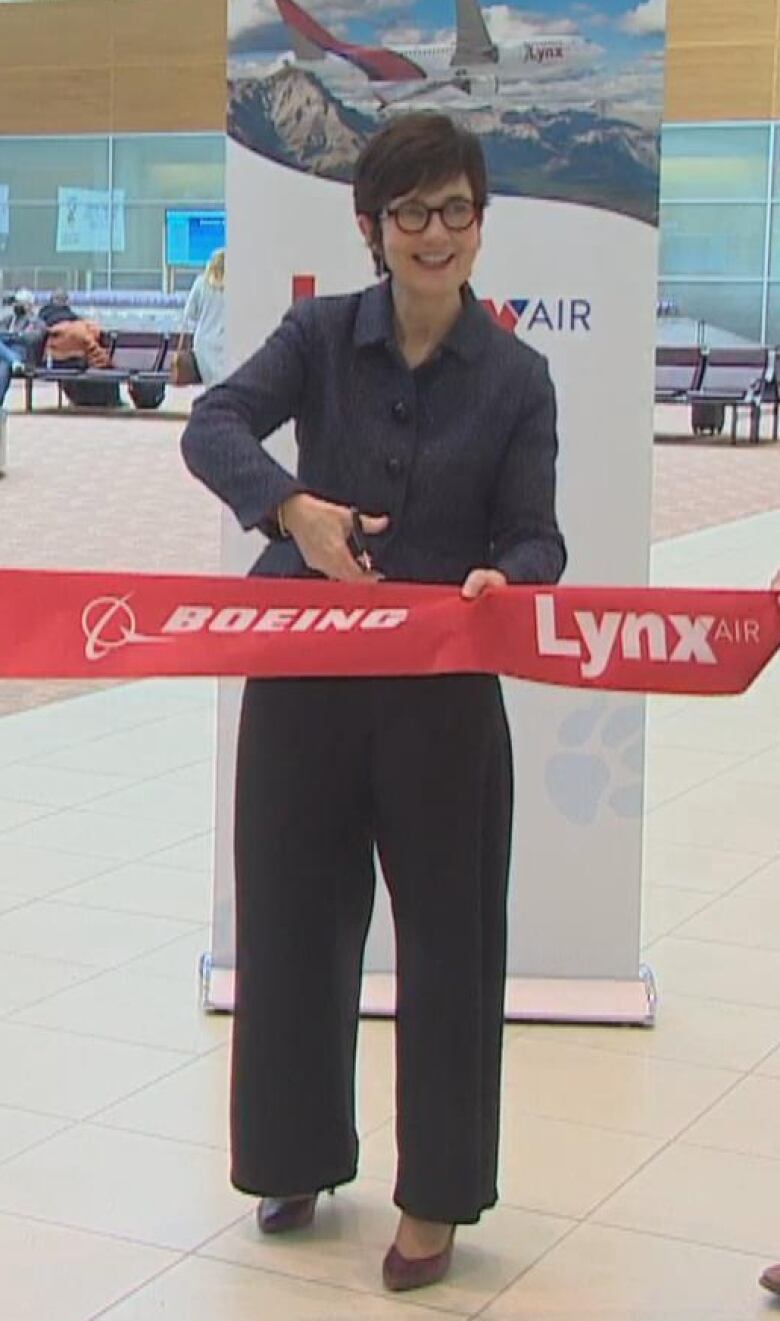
(184,368)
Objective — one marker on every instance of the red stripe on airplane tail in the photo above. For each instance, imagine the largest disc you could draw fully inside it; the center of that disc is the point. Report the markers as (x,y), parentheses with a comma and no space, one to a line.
(386,66)
(308,27)
(379,65)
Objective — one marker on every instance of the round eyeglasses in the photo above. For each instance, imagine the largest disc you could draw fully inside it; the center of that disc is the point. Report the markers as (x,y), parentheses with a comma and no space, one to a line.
(457,213)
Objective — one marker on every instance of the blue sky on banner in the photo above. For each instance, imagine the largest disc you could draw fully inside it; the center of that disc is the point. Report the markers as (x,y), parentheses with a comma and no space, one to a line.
(616,25)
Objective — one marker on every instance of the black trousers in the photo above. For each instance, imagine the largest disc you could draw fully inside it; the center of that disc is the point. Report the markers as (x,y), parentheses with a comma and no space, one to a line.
(327,768)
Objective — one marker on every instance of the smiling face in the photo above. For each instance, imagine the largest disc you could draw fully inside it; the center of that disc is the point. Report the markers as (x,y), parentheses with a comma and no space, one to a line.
(438,260)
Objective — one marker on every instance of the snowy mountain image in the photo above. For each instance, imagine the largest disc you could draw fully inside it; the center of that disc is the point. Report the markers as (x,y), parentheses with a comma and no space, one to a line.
(586,156)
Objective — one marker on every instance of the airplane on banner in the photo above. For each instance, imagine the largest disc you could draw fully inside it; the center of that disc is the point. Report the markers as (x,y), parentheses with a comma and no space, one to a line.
(470,61)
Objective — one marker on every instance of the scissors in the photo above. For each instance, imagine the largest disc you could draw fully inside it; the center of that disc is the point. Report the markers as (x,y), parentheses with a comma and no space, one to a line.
(356,543)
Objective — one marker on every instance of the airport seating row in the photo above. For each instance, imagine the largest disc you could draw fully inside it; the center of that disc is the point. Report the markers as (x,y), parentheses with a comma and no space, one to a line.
(708,381)
(712,381)
(142,359)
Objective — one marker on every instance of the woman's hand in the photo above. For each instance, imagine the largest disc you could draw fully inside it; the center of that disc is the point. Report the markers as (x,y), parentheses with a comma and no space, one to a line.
(321,531)
(480,579)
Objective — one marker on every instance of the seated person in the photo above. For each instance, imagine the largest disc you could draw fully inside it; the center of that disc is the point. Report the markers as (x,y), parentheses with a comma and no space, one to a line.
(57,309)
(20,331)
(76,344)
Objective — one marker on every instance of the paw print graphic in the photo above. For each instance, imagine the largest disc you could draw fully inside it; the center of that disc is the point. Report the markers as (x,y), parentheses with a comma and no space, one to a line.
(600,762)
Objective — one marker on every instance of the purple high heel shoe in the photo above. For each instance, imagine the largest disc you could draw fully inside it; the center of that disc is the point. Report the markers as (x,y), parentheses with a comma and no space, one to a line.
(400,1273)
(281,1215)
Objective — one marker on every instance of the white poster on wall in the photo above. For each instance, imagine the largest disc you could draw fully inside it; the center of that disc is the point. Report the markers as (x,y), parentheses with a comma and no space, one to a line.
(568,111)
(90,220)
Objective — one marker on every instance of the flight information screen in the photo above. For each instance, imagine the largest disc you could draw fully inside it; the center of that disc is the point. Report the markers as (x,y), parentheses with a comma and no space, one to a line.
(192,236)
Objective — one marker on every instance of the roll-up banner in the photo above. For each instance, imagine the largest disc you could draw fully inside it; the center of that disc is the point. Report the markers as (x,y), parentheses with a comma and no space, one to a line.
(566,98)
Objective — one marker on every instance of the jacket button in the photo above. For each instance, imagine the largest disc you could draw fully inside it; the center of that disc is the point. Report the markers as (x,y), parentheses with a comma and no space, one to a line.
(394,466)
(400,411)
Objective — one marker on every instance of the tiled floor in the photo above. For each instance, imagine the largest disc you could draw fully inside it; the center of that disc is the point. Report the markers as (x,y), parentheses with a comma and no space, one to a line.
(703,482)
(639,1167)
(89,491)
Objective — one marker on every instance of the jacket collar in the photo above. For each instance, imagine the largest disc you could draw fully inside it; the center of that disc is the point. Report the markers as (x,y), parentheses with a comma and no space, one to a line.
(374,323)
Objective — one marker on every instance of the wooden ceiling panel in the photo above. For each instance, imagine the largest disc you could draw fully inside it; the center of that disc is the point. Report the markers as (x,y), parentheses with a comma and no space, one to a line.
(169,98)
(713,82)
(721,21)
(76,33)
(159,65)
(55,100)
(187,31)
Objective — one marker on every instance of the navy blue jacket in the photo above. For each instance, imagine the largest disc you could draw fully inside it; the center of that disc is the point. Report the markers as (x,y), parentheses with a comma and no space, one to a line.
(460,452)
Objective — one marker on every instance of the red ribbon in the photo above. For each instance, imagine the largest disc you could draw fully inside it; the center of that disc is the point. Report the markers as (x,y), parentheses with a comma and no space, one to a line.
(127,625)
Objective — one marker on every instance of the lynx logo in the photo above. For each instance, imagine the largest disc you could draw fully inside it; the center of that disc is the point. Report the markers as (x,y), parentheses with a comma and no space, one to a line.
(667,638)
(537,53)
(560,315)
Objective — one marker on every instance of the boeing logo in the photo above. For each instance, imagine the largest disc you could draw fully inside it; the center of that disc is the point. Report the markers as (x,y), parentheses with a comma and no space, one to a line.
(281,619)
(109,622)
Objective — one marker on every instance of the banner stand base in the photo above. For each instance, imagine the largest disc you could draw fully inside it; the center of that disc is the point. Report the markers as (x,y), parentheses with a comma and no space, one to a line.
(217,986)
(528,999)
(582,1000)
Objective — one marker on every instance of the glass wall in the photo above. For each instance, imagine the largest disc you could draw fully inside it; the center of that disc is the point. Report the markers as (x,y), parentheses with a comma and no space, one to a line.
(154,174)
(89,213)
(720,227)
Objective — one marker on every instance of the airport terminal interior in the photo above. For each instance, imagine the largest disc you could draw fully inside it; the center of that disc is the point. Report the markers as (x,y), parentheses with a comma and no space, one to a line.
(638,1164)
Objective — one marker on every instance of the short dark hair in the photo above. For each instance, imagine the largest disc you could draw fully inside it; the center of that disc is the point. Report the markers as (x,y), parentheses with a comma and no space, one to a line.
(418,150)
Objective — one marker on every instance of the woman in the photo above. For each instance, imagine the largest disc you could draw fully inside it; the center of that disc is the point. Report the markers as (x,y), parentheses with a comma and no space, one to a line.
(204,313)
(412,406)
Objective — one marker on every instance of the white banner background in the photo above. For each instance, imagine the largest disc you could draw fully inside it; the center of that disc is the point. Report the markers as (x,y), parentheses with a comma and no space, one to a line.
(576,862)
